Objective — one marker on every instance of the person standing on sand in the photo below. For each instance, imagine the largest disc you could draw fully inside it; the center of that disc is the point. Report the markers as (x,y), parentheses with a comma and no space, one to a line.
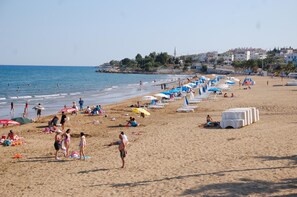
(57,144)
(122,147)
(63,120)
(66,138)
(82,145)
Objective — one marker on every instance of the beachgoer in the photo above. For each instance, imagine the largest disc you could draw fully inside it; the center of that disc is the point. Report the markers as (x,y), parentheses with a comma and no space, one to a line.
(133,123)
(54,121)
(26,110)
(267,83)
(74,107)
(57,143)
(11,135)
(81,104)
(232,95)
(39,110)
(11,110)
(225,95)
(82,145)
(66,139)
(63,120)
(122,147)
(208,120)
(88,110)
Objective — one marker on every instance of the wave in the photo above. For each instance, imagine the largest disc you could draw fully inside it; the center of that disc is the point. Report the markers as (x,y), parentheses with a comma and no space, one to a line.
(107,89)
(36,99)
(2,103)
(63,94)
(1,99)
(20,97)
(75,93)
(46,95)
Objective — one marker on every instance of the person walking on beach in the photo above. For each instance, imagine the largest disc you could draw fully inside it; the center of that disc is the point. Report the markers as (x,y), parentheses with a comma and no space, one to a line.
(82,145)
(81,104)
(11,110)
(63,120)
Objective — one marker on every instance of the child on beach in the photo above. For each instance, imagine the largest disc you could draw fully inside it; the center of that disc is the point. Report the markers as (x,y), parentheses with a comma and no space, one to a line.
(67,141)
(82,145)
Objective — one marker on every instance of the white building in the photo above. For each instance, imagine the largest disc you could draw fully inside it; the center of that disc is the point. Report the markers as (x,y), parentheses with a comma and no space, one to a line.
(242,56)
(292,57)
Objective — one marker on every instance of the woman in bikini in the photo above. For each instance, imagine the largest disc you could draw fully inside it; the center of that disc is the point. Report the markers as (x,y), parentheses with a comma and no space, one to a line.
(67,142)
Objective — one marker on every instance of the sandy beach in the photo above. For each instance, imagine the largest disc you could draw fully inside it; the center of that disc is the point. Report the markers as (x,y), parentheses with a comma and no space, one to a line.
(169,154)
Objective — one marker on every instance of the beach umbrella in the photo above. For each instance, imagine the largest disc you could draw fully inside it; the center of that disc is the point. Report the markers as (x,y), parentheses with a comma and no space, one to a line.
(7,122)
(22,120)
(68,110)
(187,85)
(214,89)
(162,95)
(149,98)
(140,110)
(224,86)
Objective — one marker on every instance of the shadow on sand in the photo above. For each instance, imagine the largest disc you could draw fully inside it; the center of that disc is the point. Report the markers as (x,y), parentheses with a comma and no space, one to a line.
(45,159)
(245,187)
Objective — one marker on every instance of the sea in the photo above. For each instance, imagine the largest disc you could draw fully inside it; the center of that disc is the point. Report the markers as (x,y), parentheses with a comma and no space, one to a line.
(56,86)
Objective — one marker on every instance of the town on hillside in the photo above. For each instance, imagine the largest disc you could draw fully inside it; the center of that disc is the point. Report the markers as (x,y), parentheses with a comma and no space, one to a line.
(278,61)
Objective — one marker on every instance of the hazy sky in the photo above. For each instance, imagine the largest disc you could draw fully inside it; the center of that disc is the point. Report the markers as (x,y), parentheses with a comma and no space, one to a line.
(91,32)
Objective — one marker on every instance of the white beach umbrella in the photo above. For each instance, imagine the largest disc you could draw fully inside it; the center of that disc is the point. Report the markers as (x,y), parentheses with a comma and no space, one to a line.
(162,95)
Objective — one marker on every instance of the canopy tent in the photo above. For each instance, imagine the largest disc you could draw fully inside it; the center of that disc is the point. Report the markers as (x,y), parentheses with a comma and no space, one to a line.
(22,120)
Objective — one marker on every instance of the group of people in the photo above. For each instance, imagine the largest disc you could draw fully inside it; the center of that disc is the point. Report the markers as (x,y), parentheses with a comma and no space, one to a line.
(97,110)
(210,122)
(226,95)
(62,142)
(132,122)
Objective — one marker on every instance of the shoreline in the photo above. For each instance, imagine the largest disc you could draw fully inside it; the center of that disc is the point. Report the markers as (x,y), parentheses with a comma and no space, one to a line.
(169,154)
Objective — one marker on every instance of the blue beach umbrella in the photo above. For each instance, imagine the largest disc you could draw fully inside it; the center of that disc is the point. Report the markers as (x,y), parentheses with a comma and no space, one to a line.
(214,89)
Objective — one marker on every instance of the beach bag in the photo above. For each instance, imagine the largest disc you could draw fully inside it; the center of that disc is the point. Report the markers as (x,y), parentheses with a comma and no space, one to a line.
(7,143)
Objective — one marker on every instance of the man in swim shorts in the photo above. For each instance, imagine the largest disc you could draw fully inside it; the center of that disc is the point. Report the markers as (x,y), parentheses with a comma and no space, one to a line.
(122,147)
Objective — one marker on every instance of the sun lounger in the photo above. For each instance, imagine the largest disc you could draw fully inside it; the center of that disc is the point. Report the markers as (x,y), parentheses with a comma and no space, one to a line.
(155,106)
(182,109)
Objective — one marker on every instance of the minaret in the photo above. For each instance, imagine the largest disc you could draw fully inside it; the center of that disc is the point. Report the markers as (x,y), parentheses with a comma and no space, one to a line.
(174,52)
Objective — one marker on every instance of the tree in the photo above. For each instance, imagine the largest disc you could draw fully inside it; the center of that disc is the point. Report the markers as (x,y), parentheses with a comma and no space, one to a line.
(288,68)
(138,58)
(162,58)
(203,69)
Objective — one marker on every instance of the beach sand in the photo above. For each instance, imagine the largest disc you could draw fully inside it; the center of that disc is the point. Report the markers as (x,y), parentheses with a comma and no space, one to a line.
(169,154)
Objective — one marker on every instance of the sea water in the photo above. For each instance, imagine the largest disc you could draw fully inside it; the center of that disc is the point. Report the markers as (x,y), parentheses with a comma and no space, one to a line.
(56,86)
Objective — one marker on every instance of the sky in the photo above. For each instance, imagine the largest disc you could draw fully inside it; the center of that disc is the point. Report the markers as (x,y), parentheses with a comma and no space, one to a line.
(92,32)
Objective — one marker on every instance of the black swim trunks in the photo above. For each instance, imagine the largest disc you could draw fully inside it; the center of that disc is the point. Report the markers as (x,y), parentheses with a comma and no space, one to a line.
(57,145)
(123,153)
